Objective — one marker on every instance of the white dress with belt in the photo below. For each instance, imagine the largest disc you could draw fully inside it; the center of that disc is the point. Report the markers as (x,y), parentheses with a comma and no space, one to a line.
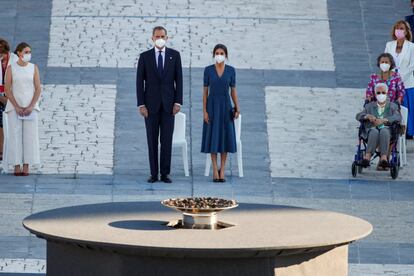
(23,133)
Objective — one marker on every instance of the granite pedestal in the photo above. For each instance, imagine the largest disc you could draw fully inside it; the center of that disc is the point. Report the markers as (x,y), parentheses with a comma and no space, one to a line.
(132,238)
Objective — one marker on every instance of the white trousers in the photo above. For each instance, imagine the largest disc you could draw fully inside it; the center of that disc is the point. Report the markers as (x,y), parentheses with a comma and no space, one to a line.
(22,140)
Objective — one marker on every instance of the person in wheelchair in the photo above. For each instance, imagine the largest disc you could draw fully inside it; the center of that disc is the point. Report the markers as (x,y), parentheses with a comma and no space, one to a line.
(377,118)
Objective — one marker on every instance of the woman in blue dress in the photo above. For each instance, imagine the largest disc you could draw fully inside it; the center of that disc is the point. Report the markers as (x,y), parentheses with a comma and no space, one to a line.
(218,128)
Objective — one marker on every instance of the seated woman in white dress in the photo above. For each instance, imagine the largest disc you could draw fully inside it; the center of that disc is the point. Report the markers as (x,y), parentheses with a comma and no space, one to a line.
(22,88)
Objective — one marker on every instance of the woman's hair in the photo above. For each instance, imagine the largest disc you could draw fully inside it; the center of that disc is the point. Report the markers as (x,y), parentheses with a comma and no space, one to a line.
(4,46)
(408,34)
(20,47)
(222,47)
(381,84)
(386,55)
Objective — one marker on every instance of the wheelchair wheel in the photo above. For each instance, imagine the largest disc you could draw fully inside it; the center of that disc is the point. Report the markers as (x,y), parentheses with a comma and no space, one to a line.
(360,168)
(354,169)
(394,171)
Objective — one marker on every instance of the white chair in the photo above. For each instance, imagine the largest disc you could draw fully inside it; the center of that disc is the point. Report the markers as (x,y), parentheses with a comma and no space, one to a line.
(401,140)
(179,138)
(5,132)
(237,126)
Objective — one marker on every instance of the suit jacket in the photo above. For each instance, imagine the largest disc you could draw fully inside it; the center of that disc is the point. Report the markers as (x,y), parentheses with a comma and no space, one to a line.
(391,113)
(406,58)
(157,91)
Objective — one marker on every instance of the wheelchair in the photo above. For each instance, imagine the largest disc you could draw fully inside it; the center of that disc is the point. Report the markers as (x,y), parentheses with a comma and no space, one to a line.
(361,148)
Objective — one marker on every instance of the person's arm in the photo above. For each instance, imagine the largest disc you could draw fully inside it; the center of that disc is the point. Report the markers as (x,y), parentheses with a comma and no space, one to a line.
(205,113)
(363,115)
(234,95)
(369,93)
(142,109)
(3,100)
(395,115)
(178,97)
(9,93)
(235,99)
(36,96)
(206,83)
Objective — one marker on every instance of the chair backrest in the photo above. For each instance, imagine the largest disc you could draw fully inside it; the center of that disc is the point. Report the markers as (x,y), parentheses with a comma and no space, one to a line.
(179,127)
(404,115)
(237,126)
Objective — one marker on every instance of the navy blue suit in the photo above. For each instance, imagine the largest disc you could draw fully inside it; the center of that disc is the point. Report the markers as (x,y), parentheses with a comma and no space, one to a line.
(159,92)
(410,20)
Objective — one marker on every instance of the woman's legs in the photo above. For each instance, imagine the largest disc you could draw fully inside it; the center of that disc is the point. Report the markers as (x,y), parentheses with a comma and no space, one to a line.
(15,141)
(215,168)
(223,158)
(30,143)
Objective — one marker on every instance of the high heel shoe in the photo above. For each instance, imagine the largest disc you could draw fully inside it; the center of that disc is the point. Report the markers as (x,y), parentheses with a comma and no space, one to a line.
(216,179)
(222,179)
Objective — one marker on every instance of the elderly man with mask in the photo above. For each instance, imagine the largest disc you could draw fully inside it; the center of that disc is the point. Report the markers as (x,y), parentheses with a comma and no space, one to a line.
(377,117)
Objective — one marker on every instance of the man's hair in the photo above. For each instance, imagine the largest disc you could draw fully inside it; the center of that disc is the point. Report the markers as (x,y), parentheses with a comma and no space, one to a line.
(381,84)
(159,28)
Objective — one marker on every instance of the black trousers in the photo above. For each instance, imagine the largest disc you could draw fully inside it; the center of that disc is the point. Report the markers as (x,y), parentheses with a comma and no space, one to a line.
(160,124)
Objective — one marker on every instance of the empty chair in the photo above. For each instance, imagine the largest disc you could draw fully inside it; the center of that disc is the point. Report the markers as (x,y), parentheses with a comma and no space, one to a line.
(179,138)
(402,140)
(237,126)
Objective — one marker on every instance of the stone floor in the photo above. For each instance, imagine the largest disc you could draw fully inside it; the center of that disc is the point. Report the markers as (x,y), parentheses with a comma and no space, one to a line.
(288,54)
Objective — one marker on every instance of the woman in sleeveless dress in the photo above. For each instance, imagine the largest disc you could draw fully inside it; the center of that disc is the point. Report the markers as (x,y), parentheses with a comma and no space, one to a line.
(219,136)
(22,87)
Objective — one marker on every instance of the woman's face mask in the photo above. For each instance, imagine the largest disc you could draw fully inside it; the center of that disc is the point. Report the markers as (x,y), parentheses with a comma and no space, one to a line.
(399,33)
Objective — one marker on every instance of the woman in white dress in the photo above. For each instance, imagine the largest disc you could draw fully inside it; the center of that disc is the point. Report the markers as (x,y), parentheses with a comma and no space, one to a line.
(402,50)
(22,87)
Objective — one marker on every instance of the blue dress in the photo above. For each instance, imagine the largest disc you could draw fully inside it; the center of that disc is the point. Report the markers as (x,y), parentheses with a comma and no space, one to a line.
(219,135)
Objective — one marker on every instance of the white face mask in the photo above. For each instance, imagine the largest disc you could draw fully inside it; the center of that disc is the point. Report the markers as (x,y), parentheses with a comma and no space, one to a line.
(160,43)
(219,58)
(385,67)
(381,98)
(27,57)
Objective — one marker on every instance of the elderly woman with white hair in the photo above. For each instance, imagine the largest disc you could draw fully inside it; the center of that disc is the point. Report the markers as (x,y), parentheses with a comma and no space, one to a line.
(377,116)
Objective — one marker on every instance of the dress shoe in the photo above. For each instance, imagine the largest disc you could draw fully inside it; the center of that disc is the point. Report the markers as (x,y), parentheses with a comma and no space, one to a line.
(166,179)
(152,179)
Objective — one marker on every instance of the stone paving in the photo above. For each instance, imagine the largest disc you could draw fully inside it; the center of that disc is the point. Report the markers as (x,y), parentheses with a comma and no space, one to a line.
(123,32)
(298,123)
(285,51)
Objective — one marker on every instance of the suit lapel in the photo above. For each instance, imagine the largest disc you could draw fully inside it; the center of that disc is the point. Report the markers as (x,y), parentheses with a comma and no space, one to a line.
(167,61)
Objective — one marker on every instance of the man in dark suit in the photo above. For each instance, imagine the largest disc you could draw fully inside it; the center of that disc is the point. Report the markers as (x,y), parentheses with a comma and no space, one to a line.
(160,96)
(410,18)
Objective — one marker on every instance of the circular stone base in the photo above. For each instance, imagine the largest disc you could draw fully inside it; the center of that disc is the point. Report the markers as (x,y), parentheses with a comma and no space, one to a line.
(132,238)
